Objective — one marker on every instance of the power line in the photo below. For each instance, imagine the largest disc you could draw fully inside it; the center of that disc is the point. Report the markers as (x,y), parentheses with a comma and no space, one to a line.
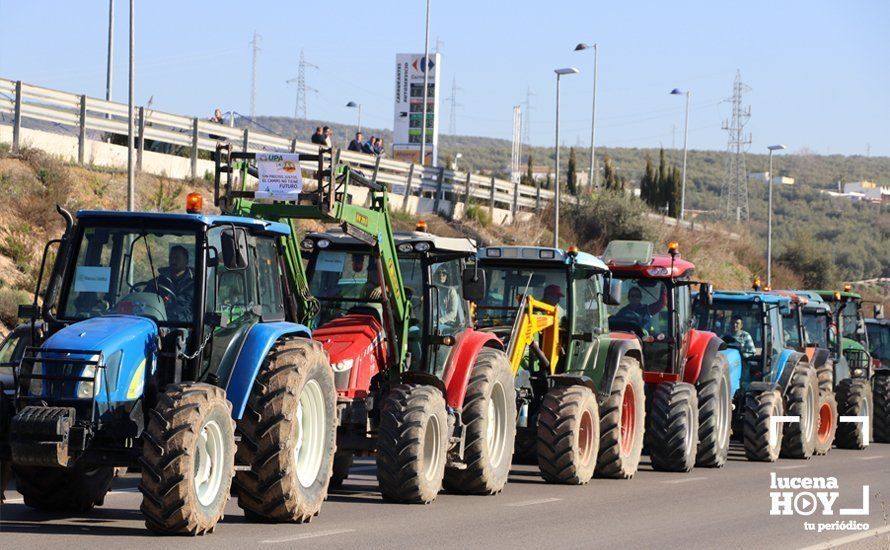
(734,194)
(255,43)
(300,109)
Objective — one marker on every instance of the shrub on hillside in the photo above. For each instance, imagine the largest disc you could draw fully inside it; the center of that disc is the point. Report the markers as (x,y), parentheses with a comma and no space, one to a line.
(10,299)
(478,214)
(807,257)
(607,216)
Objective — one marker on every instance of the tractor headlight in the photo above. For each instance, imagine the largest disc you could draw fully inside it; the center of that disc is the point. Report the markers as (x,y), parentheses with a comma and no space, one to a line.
(422,247)
(406,247)
(323,243)
(857,372)
(342,366)
(89,389)
(307,244)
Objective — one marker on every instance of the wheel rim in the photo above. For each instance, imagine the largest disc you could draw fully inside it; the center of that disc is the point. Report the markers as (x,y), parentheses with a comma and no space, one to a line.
(431,448)
(585,437)
(310,427)
(496,431)
(808,414)
(628,420)
(208,472)
(826,420)
(687,435)
(773,429)
(724,420)
(863,411)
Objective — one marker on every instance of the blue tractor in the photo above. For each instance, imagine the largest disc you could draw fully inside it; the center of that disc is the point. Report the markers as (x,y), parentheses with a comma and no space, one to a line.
(774,380)
(169,344)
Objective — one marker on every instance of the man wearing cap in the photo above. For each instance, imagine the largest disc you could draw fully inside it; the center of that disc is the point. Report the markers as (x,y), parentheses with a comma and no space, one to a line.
(636,307)
(553,295)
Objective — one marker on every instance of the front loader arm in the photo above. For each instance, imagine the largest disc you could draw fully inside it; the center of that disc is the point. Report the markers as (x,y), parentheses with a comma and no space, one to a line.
(535,317)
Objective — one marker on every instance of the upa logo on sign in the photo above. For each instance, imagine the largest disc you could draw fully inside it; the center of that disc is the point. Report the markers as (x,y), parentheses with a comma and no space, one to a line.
(804,496)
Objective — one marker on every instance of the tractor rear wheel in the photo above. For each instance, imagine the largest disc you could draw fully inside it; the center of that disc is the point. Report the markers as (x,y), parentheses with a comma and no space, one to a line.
(489,416)
(881,394)
(854,398)
(827,423)
(412,444)
(762,436)
(714,414)
(622,423)
(188,460)
(802,400)
(342,465)
(74,489)
(568,435)
(672,433)
(288,434)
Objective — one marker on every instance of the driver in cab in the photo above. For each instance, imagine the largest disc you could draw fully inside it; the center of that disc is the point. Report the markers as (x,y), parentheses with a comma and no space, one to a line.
(741,337)
(636,307)
(179,278)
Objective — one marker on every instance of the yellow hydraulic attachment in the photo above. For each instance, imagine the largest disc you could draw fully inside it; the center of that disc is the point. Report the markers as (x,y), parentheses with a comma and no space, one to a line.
(535,317)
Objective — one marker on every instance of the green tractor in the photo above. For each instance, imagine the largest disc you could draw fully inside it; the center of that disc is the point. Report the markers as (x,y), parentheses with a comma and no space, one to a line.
(580,391)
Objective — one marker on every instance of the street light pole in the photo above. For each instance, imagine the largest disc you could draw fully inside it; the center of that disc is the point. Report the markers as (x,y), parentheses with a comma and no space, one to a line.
(426,72)
(559,73)
(131,167)
(592,177)
(110,65)
(353,104)
(675,91)
(769,231)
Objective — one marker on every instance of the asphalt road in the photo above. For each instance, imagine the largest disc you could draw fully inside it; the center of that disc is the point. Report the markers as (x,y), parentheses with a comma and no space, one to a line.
(725,508)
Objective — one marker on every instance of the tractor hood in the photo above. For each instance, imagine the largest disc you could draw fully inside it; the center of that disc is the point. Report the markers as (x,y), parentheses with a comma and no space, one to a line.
(356,346)
(124,343)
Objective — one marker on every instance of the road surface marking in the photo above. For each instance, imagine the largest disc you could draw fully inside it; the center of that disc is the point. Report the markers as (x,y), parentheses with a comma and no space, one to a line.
(793,467)
(533,502)
(834,543)
(304,536)
(684,480)
(871,457)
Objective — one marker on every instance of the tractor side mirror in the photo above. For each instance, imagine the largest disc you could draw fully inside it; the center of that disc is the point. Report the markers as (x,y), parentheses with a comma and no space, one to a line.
(234,248)
(473,280)
(706,294)
(611,291)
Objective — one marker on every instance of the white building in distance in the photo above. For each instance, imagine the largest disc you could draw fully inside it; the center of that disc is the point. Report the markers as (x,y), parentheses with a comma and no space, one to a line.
(762,177)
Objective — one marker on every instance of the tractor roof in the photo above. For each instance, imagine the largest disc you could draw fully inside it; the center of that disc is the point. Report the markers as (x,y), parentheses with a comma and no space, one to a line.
(743,296)
(132,218)
(634,259)
(828,295)
(437,243)
(540,254)
(793,296)
(880,322)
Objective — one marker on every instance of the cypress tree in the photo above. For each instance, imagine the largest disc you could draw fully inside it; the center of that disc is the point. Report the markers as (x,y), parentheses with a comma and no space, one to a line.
(571,173)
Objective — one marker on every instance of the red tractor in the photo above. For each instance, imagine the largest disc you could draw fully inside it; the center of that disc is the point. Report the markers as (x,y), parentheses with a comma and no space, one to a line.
(688,388)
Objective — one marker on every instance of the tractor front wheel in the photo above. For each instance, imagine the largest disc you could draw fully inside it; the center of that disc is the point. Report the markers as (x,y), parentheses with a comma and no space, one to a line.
(411,446)
(881,393)
(489,415)
(854,398)
(342,465)
(714,414)
(622,421)
(762,435)
(188,460)
(74,489)
(568,435)
(672,433)
(802,397)
(288,434)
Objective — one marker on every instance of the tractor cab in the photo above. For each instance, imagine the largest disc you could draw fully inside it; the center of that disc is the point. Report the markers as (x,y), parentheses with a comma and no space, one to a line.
(340,267)
(849,323)
(879,340)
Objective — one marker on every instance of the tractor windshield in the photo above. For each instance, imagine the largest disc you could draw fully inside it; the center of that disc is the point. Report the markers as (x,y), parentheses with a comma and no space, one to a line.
(791,329)
(879,341)
(643,309)
(850,315)
(506,286)
(816,325)
(740,324)
(148,272)
(342,280)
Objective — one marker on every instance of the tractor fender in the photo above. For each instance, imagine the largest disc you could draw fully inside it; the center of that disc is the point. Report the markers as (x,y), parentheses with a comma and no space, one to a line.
(424,378)
(572,380)
(702,349)
(816,356)
(734,358)
(788,361)
(618,348)
(259,340)
(460,362)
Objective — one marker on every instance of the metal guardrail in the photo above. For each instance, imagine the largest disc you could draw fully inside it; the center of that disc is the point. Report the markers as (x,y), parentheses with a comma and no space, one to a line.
(87,115)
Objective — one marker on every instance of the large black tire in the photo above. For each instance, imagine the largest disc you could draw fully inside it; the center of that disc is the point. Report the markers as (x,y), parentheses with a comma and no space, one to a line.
(411,446)
(622,423)
(288,434)
(63,489)
(853,399)
(714,413)
(672,432)
(489,415)
(802,400)
(568,435)
(191,422)
(762,438)
(881,418)
(827,423)
(825,376)
(342,465)
(525,448)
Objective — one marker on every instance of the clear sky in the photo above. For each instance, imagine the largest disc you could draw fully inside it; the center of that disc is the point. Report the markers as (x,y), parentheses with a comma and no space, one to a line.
(819,71)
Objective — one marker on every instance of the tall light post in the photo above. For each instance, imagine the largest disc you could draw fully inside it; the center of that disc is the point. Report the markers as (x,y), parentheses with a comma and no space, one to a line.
(353,104)
(591,178)
(131,166)
(677,91)
(110,63)
(425,65)
(769,231)
(559,73)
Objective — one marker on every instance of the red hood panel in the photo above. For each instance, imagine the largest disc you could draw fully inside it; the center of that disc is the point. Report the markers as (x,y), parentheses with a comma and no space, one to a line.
(358,337)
